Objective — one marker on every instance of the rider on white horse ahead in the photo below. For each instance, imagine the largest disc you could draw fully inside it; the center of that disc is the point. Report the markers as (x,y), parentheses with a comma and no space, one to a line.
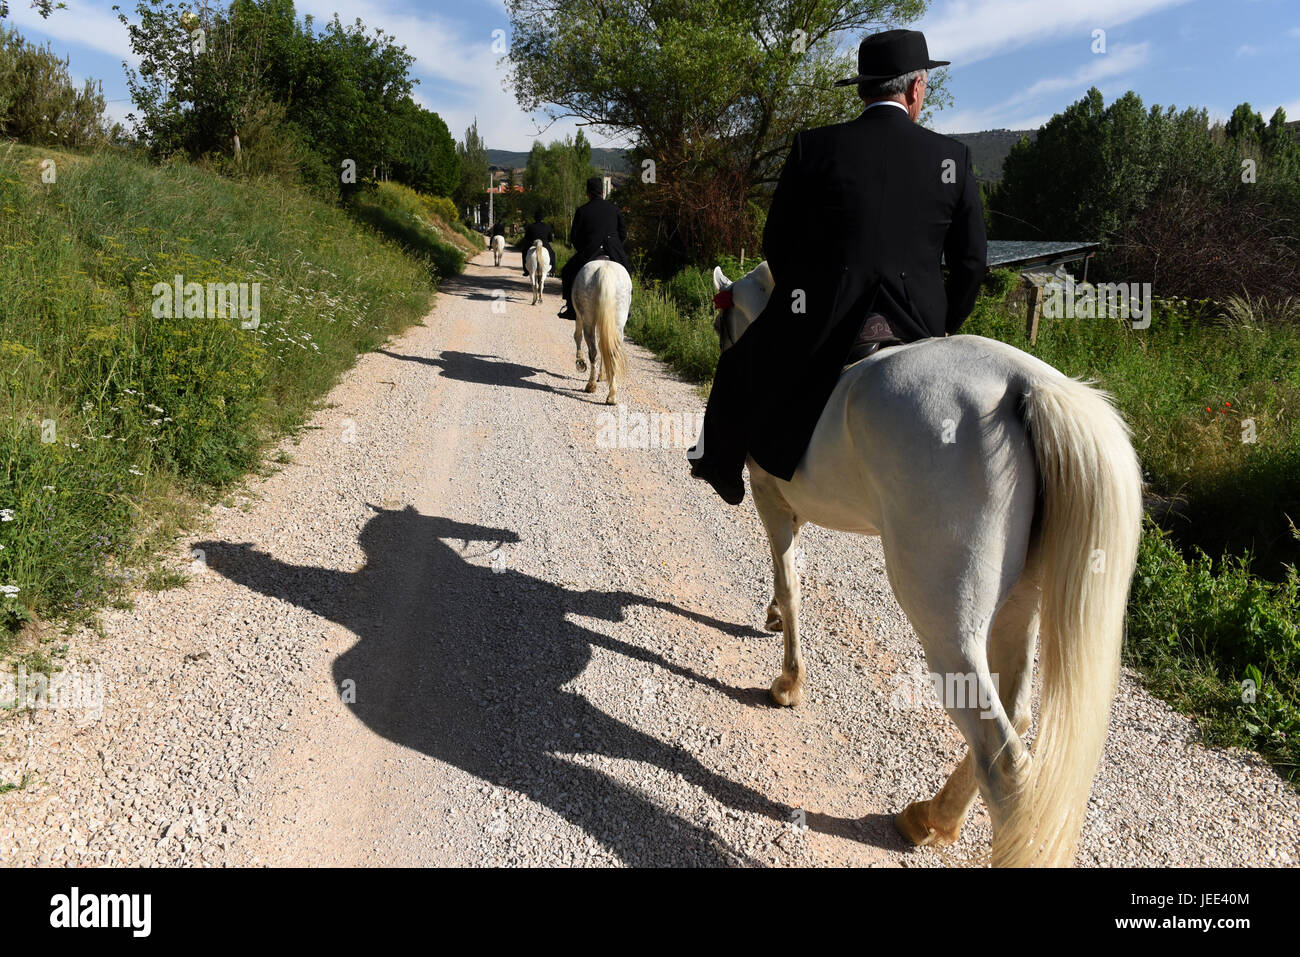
(598,230)
(897,197)
(537,229)
(1007,496)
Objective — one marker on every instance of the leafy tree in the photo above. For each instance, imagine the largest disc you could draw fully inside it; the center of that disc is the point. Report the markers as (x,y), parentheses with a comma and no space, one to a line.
(352,84)
(473,157)
(202,73)
(1166,194)
(342,92)
(43,7)
(555,179)
(38,101)
(710,91)
(424,152)
(1245,124)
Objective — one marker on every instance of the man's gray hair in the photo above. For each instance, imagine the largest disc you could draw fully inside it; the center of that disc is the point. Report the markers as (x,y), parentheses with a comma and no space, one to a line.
(876,89)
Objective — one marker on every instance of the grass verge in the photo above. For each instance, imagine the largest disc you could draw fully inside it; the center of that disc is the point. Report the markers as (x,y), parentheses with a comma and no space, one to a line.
(116,413)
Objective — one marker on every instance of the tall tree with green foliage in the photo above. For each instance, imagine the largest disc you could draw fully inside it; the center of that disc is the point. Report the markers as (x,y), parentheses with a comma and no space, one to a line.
(471,152)
(1197,210)
(43,7)
(555,179)
(205,77)
(424,152)
(710,91)
(39,102)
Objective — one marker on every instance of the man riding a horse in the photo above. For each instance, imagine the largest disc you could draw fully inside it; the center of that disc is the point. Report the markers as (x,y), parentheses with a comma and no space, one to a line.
(535,230)
(598,230)
(902,196)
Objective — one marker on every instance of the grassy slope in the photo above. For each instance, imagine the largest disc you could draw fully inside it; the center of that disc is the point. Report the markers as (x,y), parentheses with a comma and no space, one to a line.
(111,419)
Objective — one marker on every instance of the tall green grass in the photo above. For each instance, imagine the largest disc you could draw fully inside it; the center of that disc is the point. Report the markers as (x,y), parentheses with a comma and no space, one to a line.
(1219,642)
(107,413)
(1215,412)
(674,319)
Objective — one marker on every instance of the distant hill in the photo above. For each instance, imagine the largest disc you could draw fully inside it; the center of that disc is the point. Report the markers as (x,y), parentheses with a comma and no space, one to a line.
(989,150)
(611,161)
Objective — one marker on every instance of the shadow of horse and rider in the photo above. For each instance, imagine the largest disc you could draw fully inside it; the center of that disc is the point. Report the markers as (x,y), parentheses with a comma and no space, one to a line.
(469,663)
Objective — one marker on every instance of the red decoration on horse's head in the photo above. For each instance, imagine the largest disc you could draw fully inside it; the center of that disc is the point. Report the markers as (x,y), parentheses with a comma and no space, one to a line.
(723,300)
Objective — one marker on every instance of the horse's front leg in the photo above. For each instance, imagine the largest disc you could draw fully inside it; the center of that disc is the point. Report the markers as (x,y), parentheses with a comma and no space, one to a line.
(782,534)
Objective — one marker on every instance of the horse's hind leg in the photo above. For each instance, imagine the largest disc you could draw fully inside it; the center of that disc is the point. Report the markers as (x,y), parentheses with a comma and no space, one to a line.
(579,361)
(590,334)
(1011,661)
(782,534)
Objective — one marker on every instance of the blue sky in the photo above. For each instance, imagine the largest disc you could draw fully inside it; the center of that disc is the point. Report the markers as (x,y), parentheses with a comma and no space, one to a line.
(1015,62)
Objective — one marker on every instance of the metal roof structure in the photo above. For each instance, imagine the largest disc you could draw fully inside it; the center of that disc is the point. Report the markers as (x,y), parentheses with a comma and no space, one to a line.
(1007,253)
(1023,253)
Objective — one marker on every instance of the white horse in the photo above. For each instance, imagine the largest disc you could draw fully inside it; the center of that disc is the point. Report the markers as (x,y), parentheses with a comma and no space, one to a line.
(498,248)
(539,266)
(1007,498)
(602,296)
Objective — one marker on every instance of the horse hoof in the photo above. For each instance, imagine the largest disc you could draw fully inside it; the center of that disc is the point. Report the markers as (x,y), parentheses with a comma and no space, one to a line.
(787,692)
(591,387)
(582,366)
(774,622)
(915,825)
(610,400)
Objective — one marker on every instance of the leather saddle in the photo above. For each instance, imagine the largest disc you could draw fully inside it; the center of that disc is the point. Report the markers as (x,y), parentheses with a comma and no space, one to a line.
(876,334)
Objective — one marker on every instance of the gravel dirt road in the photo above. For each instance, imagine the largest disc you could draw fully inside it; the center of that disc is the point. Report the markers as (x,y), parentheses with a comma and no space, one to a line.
(459,628)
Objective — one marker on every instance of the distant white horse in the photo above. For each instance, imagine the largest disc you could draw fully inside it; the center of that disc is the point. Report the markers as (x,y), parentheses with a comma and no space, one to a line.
(498,248)
(1008,501)
(602,296)
(539,265)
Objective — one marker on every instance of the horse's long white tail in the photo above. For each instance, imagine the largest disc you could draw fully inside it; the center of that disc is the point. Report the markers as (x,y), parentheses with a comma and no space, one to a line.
(608,340)
(1092,518)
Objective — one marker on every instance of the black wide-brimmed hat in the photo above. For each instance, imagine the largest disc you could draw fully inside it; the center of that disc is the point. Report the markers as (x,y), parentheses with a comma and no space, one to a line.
(883,56)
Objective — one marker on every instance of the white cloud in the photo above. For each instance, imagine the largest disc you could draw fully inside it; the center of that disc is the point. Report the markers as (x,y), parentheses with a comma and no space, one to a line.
(965,31)
(994,118)
(1121,59)
(92,27)
(1023,110)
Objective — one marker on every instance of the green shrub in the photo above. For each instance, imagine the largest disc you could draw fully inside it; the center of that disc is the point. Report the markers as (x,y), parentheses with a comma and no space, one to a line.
(443,208)
(688,345)
(691,289)
(1199,633)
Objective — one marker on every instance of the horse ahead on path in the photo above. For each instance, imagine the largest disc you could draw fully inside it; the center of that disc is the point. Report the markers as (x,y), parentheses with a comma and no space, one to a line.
(498,249)
(539,266)
(602,296)
(1008,501)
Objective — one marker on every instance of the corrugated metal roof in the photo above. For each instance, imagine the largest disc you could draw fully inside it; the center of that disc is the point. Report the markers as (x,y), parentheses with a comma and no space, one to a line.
(1006,253)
